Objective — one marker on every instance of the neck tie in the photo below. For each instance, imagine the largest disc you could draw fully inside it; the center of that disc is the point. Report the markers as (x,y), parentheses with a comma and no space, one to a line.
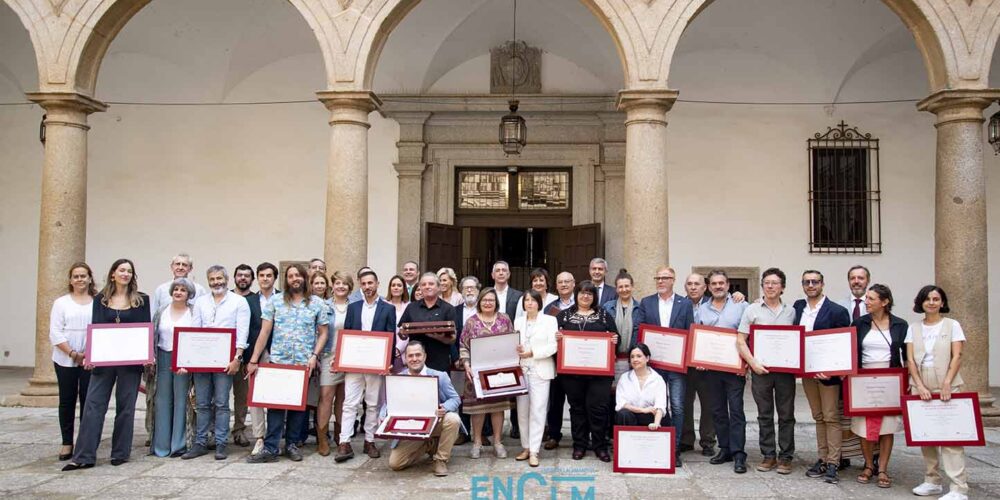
(857,309)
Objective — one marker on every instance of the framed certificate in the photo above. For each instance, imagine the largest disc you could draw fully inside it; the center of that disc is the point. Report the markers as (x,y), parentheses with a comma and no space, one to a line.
(957,422)
(496,367)
(780,348)
(411,403)
(119,344)
(281,387)
(363,352)
(875,392)
(714,348)
(640,450)
(831,352)
(667,346)
(586,353)
(207,350)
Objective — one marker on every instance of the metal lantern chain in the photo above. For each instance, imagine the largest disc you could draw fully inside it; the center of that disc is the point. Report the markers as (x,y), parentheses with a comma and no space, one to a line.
(513,130)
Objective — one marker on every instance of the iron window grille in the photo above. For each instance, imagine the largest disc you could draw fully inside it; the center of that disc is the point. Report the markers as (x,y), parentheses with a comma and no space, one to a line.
(845,195)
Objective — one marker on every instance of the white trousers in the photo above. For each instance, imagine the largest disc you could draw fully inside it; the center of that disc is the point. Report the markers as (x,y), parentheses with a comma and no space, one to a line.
(357,385)
(531,410)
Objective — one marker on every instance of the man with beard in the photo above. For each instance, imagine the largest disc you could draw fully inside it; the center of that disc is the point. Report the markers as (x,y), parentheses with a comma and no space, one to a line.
(858,278)
(469,286)
(243,279)
(221,309)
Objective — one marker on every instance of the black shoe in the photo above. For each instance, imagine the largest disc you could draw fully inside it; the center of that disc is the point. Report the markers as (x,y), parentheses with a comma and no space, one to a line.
(831,474)
(721,457)
(178,454)
(220,452)
(195,452)
(677,460)
(685,447)
(603,455)
(578,454)
(817,470)
(263,457)
(240,440)
(740,464)
(118,461)
(66,456)
(293,453)
(71,466)
(845,463)
(708,451)
(515,433)
(211,442)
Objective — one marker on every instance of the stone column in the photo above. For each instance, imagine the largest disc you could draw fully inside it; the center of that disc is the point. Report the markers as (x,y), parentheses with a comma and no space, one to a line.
(346,243)
(613,167)
(960,257)
(62,228)
(410,170)
(645,242)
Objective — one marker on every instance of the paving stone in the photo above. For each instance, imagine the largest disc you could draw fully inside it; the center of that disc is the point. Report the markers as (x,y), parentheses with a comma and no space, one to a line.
(13,482)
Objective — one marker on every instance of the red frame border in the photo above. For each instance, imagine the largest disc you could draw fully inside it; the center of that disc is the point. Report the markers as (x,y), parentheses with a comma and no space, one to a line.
(607,372)
(518,376)
(673,332)
(642,428)
(875,412)
(389,337)
(126,362)
(802,346)
(830,331)
(691,362)
(426,429)
(956,395)
(305,388)
(202,369)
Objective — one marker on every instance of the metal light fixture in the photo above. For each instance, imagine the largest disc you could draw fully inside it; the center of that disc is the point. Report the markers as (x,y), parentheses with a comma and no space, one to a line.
(994,132)
(513,130)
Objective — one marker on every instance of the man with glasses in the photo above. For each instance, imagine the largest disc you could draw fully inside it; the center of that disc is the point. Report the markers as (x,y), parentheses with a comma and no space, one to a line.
(667,309)
(771,390)
(565,283)
(815,312)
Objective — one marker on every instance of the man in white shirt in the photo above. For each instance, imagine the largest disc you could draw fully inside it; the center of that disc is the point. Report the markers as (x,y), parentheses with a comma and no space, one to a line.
(180,267)
(598,270)
(222,309)
(410,274)
(858,278)
(507,297)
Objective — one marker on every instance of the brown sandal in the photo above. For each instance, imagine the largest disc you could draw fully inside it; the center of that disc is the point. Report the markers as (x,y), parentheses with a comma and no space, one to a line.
(884,481)
(866,475)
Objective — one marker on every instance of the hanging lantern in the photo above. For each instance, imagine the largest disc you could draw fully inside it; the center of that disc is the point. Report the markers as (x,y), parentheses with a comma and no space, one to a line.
(513,131)
(994,132)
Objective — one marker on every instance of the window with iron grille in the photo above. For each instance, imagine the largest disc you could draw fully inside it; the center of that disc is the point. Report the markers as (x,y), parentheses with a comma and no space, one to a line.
(844,192)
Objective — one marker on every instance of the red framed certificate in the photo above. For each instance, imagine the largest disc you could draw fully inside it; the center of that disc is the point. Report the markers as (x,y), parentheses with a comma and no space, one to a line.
(411,403)
(831,352)
(640,450)
(586,353)
(119,344)
(281,387)
(780,348)
(714,348)
(410,425)
(956,422)
(496,366)
(363,352)
(667,346)
(499,379)
(205,350)
(875,392)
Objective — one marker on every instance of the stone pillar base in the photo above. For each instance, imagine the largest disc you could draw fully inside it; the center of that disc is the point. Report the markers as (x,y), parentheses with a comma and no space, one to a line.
(38,394)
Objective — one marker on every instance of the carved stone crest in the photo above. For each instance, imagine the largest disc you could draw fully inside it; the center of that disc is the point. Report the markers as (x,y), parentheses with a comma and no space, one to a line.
(518,63)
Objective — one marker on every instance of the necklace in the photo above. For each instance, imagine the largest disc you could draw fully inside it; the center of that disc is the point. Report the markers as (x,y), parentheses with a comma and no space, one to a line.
(340,309)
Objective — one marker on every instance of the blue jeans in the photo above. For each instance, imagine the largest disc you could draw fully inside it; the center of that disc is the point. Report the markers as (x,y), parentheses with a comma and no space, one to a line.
(171,407)
(727,412)
(676,387)
(211,392)
(282,423)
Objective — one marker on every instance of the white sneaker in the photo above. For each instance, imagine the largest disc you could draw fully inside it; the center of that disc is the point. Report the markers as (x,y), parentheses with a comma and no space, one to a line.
(927,489)
(258,447)
(501,451)
(954,495)
(476,449)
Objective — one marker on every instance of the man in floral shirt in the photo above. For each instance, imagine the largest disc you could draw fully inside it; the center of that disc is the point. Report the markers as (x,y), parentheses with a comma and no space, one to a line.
(299,324)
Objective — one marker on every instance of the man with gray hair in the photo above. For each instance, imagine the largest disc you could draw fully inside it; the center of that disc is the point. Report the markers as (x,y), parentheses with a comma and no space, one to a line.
(222,309)
(598,273)
(180,267)
(432,308)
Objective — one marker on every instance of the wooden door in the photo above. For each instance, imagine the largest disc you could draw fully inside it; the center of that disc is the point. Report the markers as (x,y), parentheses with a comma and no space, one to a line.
(444,247)
(573,247)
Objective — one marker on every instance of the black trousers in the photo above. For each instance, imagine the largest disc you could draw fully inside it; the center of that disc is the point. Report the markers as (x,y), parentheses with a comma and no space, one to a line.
(706,428)
(727,410)
(588,409)
(775,391)
(124,382)
(73,382)
(557,401)
(625,417)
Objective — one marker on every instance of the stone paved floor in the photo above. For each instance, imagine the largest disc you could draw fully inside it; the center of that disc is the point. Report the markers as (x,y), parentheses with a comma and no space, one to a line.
(28,469)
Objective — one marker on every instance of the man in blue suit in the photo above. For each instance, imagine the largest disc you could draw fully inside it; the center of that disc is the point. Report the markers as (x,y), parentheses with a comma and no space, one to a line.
(816,312)
(598,272)
(667,309)
(445,433)
(371,314)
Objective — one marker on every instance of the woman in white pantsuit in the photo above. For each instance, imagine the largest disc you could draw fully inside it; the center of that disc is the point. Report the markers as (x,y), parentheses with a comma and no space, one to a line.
(538,345)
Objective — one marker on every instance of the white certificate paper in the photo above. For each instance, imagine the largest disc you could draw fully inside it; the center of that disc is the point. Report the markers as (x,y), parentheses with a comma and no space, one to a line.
(585,352)
(829,353)
(108,345)
(203,350)
(715,347)
(644,450)
(276,386)
(665,348)
(362,352)
(502,379)
(408,424)
(874,391)
(936,420)
(777,348)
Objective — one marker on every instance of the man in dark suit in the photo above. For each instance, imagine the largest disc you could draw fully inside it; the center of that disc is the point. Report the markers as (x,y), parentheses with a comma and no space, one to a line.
(598,272)
(507,297)
(667,309)
(243,279)
(371,314)
(816,312)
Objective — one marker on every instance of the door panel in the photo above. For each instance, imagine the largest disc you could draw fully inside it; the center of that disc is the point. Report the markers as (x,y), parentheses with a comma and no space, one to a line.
(444,247)
(575,246)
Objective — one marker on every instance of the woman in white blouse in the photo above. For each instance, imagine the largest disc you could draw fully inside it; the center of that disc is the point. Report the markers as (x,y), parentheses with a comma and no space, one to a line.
(171,396)
(71,314)
(641,395)
(538,344)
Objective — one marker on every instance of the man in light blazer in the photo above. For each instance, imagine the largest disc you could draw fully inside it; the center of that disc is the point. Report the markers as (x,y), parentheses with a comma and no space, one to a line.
(406,453)
(371,314)
(667,309)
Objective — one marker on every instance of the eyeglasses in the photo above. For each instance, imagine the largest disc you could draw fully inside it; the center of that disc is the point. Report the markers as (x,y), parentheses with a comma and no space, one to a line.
(772,283)
(663,278)
(811,282)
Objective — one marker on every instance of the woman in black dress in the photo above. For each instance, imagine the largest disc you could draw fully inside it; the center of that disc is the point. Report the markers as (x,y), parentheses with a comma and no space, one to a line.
(119,302)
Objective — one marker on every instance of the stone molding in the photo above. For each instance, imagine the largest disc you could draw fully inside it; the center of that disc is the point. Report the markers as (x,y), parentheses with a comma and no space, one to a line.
(959,105)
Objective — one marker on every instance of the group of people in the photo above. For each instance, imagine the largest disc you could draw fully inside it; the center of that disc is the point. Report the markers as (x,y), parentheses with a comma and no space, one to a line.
(298,324)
